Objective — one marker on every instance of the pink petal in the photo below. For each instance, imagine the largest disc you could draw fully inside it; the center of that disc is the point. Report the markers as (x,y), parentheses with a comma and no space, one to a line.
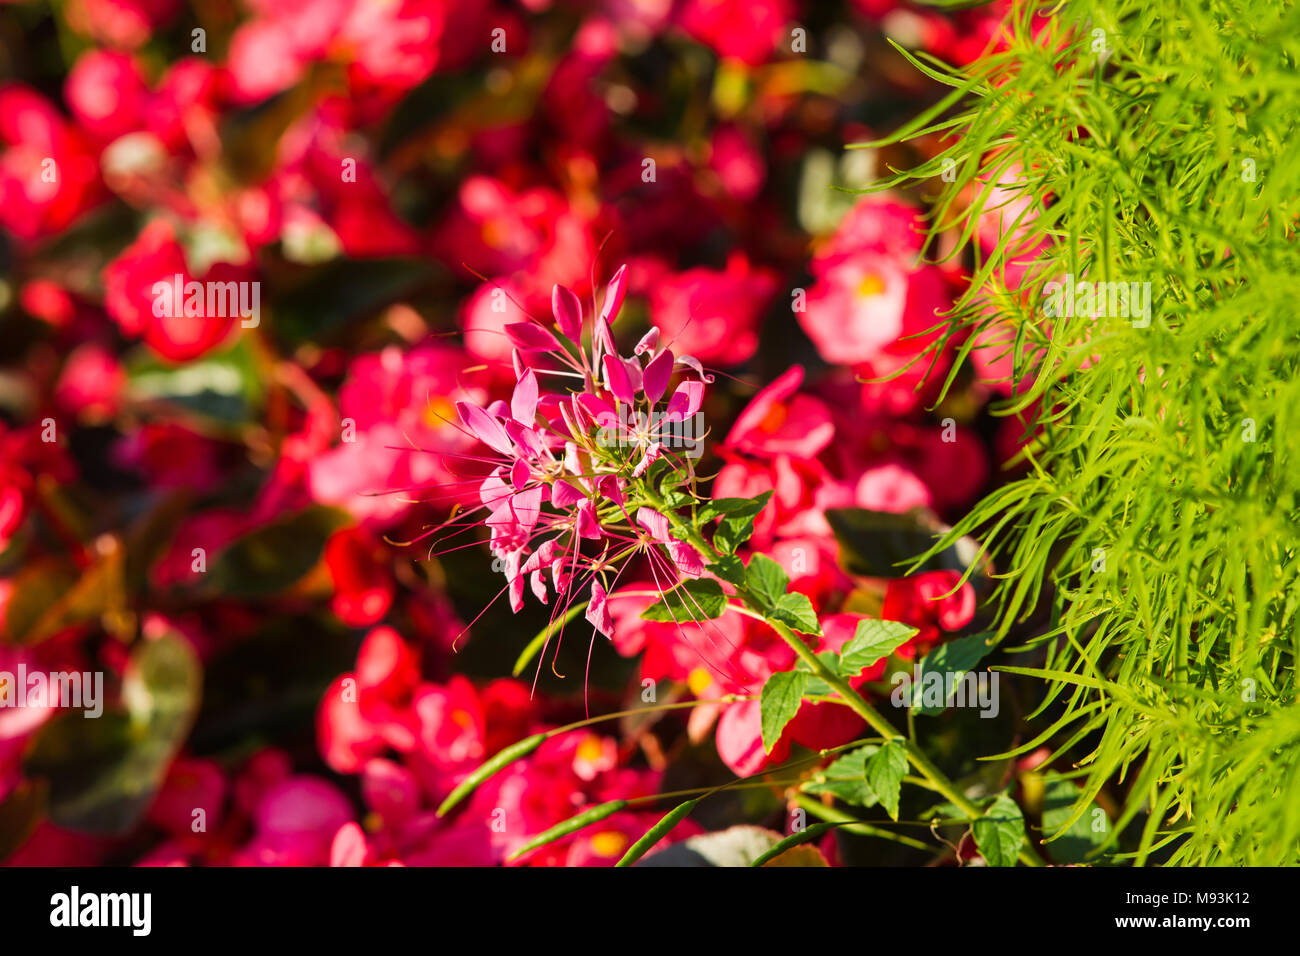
(349,846)
(487,428)
(652,454)
(686,558)
(653,522)
(691,362)
(588,526)
(611,486)
(523,403)
(601,412)
(633,369)
(604,338)
(616,380)
(563,494)
(568,313)
(657,374)
(649,342)
(530,337)
(598,612)
(527,507)
(493,491)
(538,584)
(519,475)
(614,295)
(685,402)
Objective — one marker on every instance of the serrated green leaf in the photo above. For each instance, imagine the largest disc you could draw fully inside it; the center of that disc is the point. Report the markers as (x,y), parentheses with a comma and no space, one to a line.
(766,580)
(954,659)
(1077,842)
(884,772)
(846,778)
(873,641)
(779,702)
(730,568)
(1000,832)
(698,599)
(736,519)
(796,611)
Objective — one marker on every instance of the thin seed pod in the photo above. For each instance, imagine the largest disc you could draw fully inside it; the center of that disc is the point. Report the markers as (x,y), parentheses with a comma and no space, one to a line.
(795,839)
(670,820)
(504,758)
(571,825)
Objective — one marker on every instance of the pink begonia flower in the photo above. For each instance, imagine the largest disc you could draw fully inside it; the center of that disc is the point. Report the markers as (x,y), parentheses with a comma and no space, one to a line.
(363,584)
(930,601)
(738,163)
(782,420)
(91,383)
(37,139)
(387,48)
(107,93)
(532,239)
(864,303)
(191,784)
(871,298)
(714,315)
(744,30)
(134,296)
(891,487)
(740,740)
(296,821)
(399,435)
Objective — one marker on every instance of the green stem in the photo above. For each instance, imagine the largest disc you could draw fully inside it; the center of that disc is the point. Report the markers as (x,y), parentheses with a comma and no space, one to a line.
(875,720)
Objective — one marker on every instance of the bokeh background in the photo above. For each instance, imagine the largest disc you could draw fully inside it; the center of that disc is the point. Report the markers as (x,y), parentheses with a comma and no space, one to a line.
(229,523)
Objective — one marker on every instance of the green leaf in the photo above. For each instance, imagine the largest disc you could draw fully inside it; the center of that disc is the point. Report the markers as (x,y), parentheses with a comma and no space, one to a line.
(571,825)
(273,558)
(779,702)
(698,599)
(736,522)
(20,814)
(796,611)
(224,386)
(657,832)
(872,642)
(846,778)
(884,771)
(767,581)
(1078,842)
(815,684)
(103,773)
(880,544)
(1000,832)
(954,659)
(730,568)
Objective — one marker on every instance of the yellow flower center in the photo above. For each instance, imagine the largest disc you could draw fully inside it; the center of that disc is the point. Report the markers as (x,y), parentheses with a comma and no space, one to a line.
(609,843)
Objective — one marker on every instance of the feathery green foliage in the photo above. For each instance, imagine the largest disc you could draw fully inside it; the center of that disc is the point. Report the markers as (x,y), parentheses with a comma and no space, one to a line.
(1159,518)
